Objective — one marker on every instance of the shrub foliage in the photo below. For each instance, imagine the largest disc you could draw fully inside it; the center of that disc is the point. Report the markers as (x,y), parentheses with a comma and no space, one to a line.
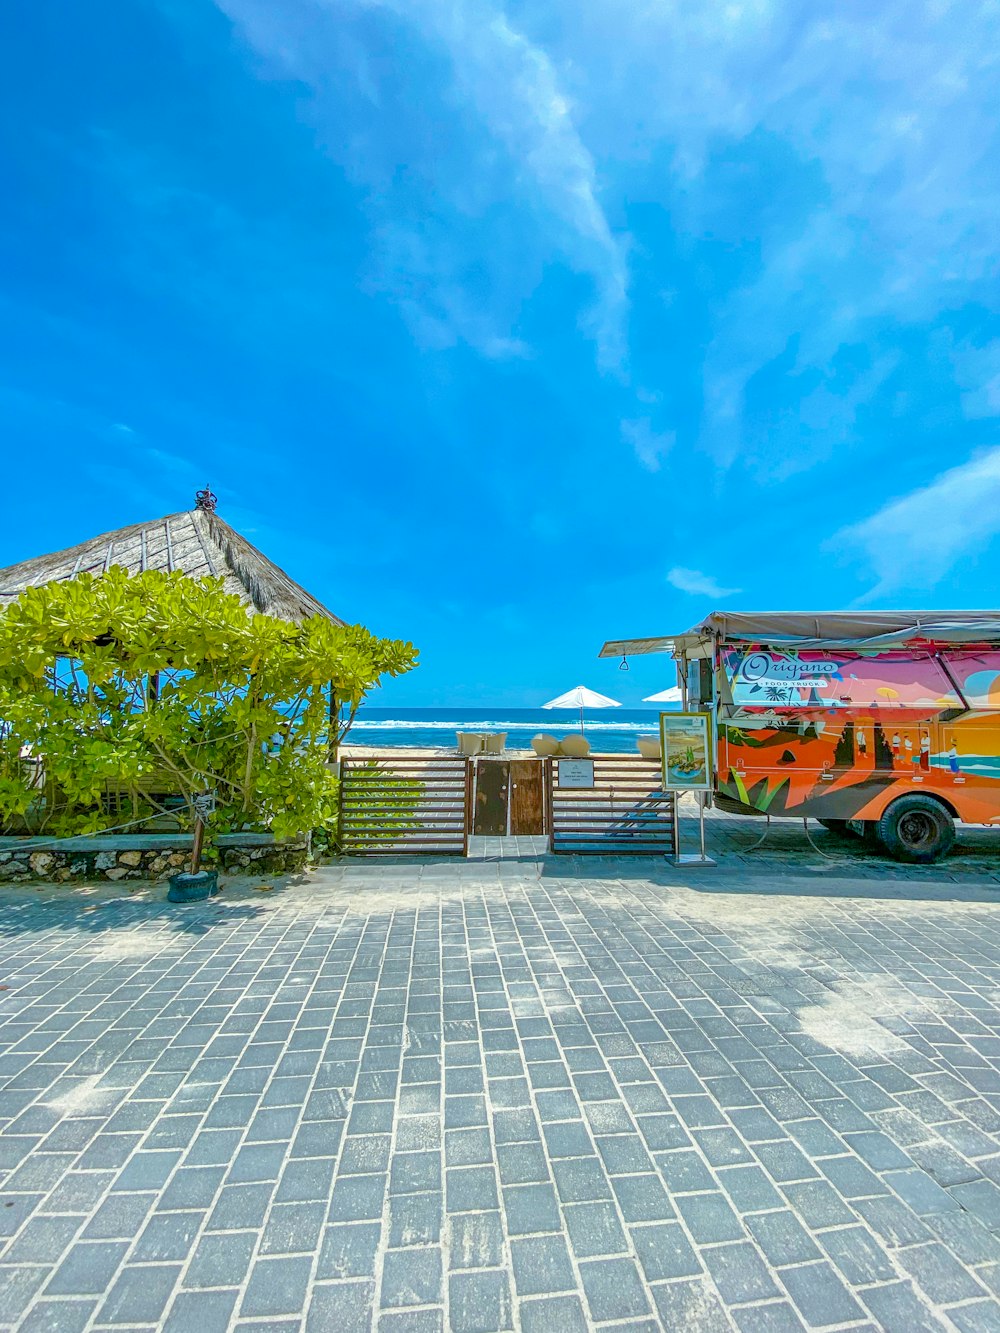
(116,690)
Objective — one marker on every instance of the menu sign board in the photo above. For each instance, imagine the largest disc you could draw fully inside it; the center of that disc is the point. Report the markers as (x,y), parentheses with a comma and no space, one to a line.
(686,750)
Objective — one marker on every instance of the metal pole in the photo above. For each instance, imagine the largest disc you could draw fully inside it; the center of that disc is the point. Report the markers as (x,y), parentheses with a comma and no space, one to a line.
(199,835)
(701,822)
(333,734)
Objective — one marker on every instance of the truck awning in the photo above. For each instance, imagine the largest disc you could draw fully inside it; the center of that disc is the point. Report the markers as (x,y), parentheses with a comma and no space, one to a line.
(819,630)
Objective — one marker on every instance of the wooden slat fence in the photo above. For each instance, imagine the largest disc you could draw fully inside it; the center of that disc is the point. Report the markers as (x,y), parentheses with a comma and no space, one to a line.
(626,813)
(405,806)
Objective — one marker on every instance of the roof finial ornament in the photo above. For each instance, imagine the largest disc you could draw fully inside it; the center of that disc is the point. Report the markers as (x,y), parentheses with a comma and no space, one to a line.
(206,501)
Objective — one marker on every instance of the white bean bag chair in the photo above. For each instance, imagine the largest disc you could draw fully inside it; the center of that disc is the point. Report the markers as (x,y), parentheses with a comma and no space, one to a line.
(544,745)
(575,746)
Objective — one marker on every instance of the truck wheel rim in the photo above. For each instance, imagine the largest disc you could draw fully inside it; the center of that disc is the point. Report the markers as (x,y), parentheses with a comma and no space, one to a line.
(917,829)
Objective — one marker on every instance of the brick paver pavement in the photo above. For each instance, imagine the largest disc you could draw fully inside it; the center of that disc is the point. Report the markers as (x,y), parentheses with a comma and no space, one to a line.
(505,1095)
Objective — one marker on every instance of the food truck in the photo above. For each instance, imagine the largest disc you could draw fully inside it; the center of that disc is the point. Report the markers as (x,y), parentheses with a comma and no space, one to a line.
(886,724)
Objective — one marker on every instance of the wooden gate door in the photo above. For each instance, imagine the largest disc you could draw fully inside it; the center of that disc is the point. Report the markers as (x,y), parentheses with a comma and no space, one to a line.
(492,788)
(527,797)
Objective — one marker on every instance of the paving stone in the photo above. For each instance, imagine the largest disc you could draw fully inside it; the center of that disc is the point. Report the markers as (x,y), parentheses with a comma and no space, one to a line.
(220,1260)
(690,1304)
(709,1218)
(772,1317)
(642,1198)
(480,1302)
(475,1240)
(18,1285)
(665,1252)
(470,1189)
(594,1229)
(64,1316)
(851,1178)
(554,1314)
(411,1277)
(469,1147)
(276,1287)
(348,1250)
(415,1171)
(411,1321)
(415,1219)
(293,1228)
(522,1163)
(982,1199)
(240,1206)
(879,1151)
(357,1198)
(820,1295)
(613,1289)
(167,1236)
(739,1272)
(568,1139)
(344,1306)
(140,1295)
(541,1265)
(515,1126)
(897,1305)
(531,1208)
(857,1254)
(87,1269)
(722,1147)
(818,1204)
(581,1179)
(43,1240)
(206,1311)
(365,1154)
(192,1187)
(684,1172)
(938,1274)
(303,1180)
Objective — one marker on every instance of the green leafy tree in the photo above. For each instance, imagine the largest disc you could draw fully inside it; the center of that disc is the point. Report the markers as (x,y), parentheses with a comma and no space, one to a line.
(155,683)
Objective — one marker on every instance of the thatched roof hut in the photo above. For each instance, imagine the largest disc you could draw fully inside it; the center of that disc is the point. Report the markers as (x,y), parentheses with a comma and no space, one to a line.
(196,541)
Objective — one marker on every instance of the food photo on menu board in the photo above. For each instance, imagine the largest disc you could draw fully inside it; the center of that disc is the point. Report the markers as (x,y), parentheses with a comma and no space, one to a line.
(685,744)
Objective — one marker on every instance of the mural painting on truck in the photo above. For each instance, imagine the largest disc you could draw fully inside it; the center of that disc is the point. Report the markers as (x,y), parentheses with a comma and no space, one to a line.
(840,734)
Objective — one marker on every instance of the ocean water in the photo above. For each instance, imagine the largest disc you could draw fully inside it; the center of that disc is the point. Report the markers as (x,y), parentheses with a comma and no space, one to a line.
(611,730)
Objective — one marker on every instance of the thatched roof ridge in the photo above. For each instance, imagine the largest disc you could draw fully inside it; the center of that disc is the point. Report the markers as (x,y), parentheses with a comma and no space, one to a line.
(195,541)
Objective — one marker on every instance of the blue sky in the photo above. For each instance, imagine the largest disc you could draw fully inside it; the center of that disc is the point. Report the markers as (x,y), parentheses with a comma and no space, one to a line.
(508,327)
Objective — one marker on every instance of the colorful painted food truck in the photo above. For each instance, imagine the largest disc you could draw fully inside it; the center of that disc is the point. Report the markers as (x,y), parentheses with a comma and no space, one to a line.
(885,723)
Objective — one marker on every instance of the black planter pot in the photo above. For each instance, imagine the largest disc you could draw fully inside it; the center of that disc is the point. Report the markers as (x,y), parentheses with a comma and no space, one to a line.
(185,888)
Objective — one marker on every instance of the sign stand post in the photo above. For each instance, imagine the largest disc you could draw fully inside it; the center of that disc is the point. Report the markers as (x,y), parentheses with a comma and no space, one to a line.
(691,858)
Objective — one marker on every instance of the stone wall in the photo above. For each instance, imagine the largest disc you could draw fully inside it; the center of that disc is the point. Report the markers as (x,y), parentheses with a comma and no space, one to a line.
(142,856)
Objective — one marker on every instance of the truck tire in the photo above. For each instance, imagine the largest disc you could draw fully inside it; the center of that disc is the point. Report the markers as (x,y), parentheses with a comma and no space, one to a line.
(870,835)
(917,829)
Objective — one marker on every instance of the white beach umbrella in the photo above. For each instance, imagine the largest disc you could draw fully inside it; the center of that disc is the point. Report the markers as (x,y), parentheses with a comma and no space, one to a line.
(671,696)
(580,697)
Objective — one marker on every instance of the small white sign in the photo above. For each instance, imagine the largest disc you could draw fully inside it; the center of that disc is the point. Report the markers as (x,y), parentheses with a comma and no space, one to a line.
(576,772)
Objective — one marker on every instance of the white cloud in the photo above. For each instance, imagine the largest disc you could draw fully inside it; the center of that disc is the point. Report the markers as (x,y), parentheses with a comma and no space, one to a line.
(650,447)
(875,127)
(695,583)
(511,87)
(913,542)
